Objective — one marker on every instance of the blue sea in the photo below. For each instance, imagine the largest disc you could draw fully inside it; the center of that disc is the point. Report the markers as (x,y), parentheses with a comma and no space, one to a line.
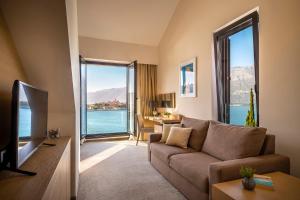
(115,121)
(106,121)
(238,114)
(25,122)
(110,121)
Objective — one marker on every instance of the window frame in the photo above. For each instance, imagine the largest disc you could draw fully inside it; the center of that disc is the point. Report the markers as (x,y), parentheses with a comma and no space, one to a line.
(99,63)
(222,35)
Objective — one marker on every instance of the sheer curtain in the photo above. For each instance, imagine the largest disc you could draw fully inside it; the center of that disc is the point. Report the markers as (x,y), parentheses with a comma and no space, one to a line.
(146,88)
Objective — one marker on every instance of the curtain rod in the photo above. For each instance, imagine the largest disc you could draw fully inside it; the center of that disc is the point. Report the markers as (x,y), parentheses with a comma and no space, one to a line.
(103,61)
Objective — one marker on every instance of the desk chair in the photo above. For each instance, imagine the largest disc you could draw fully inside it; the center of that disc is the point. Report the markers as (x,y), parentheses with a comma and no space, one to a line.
(141,128)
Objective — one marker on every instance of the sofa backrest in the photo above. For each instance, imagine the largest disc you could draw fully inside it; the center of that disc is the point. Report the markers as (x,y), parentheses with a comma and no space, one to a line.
(268,145)
(199,131)
(228,142)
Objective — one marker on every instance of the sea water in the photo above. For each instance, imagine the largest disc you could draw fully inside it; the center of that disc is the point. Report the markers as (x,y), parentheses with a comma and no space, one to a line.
(115,121)
(238,114)
(106,121)
(24,122)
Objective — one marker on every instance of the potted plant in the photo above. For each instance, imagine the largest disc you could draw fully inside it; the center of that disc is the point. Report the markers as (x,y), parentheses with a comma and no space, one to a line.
(247,175)
(167,114)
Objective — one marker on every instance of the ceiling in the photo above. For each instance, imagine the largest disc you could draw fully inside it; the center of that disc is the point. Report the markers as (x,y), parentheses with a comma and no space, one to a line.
(131,21)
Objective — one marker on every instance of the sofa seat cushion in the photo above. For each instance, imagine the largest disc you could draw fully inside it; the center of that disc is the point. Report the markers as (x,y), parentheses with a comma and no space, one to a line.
(229,142)
(193,167)
(199,131)
(164,152)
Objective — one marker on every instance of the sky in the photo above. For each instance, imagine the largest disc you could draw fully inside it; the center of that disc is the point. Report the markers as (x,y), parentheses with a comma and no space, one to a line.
(105,77)
(241,48)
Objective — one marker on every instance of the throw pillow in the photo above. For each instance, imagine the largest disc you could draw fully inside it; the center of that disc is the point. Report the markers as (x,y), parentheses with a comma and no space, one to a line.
(166,131)
(179,137)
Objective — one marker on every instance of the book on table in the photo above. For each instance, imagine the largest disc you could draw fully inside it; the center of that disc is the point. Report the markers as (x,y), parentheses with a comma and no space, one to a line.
(264,182)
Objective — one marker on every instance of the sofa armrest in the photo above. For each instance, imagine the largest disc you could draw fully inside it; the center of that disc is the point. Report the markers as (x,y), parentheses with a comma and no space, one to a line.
(154,137)
(229,170)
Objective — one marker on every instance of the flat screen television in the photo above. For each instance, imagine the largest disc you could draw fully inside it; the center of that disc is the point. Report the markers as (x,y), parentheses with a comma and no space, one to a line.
(29,122)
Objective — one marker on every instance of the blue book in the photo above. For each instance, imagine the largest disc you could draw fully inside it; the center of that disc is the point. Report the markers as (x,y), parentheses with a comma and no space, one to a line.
(265,183)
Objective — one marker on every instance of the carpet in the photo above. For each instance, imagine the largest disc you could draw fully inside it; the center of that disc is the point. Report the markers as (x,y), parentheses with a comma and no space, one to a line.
(119,170)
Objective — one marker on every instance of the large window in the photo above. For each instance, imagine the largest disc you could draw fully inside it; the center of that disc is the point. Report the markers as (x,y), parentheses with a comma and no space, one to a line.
(107,98)
(236,58)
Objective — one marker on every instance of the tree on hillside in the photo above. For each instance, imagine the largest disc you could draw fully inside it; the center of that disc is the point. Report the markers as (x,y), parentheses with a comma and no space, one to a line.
(250,119)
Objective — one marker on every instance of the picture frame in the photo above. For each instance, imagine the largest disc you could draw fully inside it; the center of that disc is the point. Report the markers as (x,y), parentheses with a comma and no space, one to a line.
(188,78)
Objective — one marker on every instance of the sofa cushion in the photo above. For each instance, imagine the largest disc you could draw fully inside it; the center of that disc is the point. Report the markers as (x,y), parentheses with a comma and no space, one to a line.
(164,152)
(198,133)
(179,137)
(166,131)
(228,142)
(193,167)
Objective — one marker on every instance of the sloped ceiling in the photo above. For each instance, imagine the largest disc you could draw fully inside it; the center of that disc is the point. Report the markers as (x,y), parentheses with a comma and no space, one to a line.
(40,34)
(131,21)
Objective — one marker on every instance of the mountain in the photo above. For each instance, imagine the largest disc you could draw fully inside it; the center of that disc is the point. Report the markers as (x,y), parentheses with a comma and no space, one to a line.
(107,95)
(242,80)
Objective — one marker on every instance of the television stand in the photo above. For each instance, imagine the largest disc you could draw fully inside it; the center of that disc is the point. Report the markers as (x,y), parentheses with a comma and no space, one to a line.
(49,144)
(4,162)
(19,171)
(53,178)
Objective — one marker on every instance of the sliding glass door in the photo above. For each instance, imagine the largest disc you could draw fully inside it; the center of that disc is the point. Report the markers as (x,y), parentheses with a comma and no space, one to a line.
(83,103)
(131,97)
(109,99)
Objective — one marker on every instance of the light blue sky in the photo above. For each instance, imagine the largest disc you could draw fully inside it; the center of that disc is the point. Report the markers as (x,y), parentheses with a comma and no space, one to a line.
(241,48)
(105,77)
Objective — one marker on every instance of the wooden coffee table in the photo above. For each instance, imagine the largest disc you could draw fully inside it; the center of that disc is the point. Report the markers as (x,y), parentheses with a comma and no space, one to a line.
(286,187)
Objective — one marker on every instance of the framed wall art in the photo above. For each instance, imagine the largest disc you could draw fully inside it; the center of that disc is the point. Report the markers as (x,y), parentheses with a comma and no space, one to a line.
(188,78)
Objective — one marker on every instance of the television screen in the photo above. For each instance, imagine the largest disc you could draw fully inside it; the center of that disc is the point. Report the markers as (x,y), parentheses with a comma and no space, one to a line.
(29,121)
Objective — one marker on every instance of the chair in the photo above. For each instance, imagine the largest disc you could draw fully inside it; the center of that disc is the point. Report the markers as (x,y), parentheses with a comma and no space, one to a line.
(141,128)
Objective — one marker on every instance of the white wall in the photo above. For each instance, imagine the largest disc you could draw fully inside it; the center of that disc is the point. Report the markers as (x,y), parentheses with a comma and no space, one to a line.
(190,33)
(71,6)
(119,51)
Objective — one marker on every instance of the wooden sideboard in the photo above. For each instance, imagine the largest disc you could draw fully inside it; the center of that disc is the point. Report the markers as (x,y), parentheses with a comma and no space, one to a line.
(53,168)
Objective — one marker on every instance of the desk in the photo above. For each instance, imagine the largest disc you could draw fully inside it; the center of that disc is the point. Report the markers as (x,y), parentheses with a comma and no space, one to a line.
(159,121)
(162,120)
(285,187)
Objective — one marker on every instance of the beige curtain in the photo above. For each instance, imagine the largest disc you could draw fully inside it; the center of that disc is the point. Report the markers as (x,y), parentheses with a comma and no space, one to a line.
(146,88)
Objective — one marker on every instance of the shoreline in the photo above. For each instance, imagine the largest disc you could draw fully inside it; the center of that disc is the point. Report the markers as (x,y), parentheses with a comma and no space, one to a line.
(105,110)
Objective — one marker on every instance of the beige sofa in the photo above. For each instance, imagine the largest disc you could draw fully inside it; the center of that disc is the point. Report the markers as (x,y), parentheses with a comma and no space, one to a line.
(215,154)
